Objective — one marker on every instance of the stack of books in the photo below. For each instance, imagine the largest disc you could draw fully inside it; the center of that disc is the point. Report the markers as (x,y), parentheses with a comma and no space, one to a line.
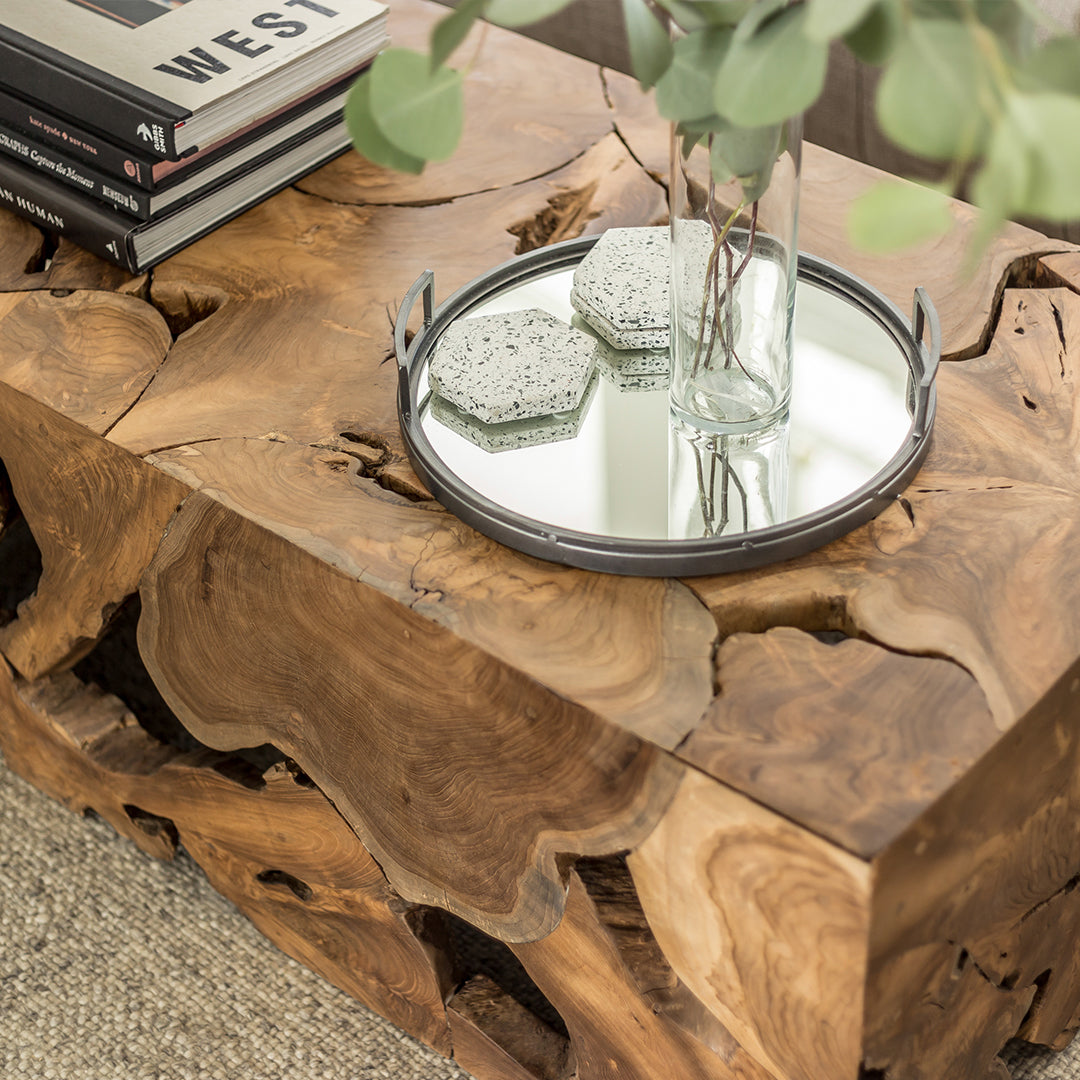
(133,127)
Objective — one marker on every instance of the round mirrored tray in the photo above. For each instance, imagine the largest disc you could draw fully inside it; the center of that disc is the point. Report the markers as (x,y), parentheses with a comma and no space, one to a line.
(618,484)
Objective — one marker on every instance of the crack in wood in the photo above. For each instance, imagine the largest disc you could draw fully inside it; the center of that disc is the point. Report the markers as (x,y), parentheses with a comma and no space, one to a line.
(1024,272)
(564,218)
(40,261)
(656,178)
(1061,336)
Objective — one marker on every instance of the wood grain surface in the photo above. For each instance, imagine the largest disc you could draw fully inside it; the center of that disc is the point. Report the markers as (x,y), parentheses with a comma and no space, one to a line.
(614,1032)
(635,650)
(467,790)
(845,737)
(95,539)
(529,111)
(274,846)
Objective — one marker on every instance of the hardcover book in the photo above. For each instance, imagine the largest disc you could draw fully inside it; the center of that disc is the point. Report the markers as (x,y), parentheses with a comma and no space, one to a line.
(185,178)
(169,76)
(136,246)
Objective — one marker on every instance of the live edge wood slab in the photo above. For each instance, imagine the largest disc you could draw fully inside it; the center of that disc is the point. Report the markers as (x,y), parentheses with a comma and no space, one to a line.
(813,822)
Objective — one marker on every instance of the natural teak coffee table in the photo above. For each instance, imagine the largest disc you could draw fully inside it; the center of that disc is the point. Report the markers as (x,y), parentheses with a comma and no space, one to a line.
(812,822)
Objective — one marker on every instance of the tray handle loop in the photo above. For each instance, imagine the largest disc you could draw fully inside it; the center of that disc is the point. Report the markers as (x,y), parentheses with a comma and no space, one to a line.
(924,315)
(425,284)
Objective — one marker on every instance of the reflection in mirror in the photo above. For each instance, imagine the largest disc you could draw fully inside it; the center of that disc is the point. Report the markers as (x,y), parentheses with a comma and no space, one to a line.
(616,466)
(724,484)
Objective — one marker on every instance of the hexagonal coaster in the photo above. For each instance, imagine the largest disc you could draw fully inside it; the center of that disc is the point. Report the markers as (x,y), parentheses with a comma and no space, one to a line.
(621,287)
(512,366)
(514,434)
(628,361)
(630,383)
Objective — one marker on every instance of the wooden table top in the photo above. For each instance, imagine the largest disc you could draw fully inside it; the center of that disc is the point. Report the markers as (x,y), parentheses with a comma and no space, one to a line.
(243,395)
(254,368)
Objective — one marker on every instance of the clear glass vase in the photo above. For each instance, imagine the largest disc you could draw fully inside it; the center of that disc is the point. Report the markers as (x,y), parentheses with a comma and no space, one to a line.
(734,225)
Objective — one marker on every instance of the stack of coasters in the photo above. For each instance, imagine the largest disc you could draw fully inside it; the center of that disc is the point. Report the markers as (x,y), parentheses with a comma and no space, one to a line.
(512,366)
(621,288)
(629,369)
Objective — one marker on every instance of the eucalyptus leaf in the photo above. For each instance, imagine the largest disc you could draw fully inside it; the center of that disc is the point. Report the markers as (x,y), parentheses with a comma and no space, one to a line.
(692,15)
(450,31)
(523,12)
(688,16)
(893,214)
(418,110)
(1005,174)
(773,75)
(874,39)
(926,100)
(1053,66)
(650,45)
(702,125)
(745,154)
(689,140)
(1043,124)
(366,136)
(757,16)
(1011,24)
(829,19)
(685,90)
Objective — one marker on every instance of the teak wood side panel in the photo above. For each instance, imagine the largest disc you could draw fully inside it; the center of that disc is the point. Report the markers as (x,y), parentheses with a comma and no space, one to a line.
(469,786)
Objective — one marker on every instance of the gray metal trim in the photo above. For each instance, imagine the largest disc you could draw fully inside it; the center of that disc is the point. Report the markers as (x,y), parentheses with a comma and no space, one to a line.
(665,558)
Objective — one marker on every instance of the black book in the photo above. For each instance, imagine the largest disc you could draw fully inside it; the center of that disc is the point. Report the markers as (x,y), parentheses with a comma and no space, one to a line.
(187,178)
(137,246)
(132,165)
(170,76)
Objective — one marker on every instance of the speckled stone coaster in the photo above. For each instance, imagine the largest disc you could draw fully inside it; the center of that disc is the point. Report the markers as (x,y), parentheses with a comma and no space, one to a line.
(514,434)
(621,288)
(628,361)
(512,366)
(629,382)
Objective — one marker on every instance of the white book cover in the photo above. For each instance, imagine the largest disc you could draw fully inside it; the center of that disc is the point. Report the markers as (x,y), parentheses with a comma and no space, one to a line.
(195,54)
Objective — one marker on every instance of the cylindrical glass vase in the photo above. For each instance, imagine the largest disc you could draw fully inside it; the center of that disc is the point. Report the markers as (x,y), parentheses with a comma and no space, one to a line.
(734,247)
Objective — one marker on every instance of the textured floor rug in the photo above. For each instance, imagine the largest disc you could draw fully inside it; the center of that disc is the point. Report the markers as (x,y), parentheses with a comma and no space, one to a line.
(114,966)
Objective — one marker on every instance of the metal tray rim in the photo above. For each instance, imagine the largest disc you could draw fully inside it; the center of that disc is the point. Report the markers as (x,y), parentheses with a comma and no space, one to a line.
(661,557)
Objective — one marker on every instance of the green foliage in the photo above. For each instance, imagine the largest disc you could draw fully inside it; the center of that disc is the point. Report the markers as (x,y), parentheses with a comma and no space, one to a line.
(779,57)
(1053,66)
(685,90)
(744,154)
(368,139)
(894,214)
(419,110)
(450,32)
(650,43)
(873,40)
(690,15)
(1041,131)
(962,82)
(928,97)
(830,19)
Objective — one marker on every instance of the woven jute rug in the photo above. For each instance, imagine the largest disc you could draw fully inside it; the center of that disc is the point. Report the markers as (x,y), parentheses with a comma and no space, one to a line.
(114,966)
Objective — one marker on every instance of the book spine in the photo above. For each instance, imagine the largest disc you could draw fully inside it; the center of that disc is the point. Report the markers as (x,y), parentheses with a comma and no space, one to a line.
(58,209)
(49,129)
(106,189)
(130,116)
